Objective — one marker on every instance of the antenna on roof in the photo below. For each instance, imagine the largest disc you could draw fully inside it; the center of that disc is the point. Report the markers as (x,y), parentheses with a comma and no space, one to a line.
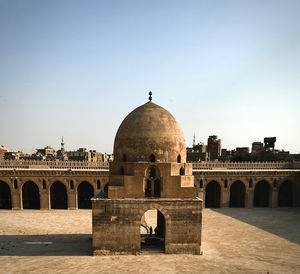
(150,96)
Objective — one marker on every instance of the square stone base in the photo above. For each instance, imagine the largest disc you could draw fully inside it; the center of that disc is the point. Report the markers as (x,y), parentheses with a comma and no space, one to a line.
(116,225)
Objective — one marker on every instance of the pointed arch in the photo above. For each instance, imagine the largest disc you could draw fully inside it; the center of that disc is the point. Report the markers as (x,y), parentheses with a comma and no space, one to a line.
(262,194)
(58,196)
(285,194)
(152,187)
(30,195)
(85,192)
(5,196)
(237,194)
(212,194)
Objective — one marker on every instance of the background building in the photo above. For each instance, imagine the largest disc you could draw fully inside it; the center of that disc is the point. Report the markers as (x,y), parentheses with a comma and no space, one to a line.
(214,147)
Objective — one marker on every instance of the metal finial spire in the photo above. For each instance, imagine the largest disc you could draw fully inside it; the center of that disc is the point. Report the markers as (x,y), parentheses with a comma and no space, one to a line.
(150,96)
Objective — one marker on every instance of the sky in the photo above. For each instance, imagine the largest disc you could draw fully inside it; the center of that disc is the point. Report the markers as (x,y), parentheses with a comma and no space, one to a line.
(77,68)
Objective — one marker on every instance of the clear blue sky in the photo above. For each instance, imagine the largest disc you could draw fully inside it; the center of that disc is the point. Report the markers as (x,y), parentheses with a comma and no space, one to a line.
(77,68)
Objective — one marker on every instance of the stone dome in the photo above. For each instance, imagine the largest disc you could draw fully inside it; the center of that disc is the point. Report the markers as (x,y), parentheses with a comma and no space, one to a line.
(150,133)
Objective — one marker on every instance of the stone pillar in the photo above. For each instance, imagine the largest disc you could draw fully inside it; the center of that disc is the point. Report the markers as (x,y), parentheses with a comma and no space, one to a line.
(72,198)
(200,194)
(249,198)
(273,198)
(225,196)
(16,197)
(45,199)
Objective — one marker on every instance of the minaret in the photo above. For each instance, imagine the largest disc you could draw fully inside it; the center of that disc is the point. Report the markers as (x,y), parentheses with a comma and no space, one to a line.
(62,148)
(194,140)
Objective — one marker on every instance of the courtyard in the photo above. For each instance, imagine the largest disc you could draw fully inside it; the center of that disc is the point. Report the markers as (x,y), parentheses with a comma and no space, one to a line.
(234,240)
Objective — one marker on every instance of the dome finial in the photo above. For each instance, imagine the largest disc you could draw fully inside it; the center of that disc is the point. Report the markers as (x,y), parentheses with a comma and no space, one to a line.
(150,96)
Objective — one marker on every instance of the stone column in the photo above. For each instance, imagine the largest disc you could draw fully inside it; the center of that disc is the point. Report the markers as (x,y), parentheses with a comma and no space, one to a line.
(200,194)
(273,197)
(72,197)
(225,196)
(249,198)
(16,197)
(45,199)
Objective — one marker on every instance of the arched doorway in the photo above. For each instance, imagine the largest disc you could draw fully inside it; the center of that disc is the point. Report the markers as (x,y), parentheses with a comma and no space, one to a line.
(85,192)
(5,196)
(285,195)
(237,194)
(261,194)
(212,194)
(152,231)
(30,196)
(58,196)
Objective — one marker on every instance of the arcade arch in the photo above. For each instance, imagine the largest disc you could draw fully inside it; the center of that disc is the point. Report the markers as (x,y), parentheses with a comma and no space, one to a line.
(85,192)
(262,194)
(212,194)
(5,196)
(237,194)
(30,195)
(58,196)
(285,194)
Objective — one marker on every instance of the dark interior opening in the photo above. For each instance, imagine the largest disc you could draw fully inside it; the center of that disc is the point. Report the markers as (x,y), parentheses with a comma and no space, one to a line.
(85,192)
(30,196)
(181,171)
(152,232)
(106,188)
(261,194)
(212,195)
(285,195)
(5,196)
(237,194)
(152,158)
(58,196)
(178,159)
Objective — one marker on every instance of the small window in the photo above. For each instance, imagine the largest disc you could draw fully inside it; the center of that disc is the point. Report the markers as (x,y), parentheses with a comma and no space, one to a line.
(250,183)
(225,183)
(201,183)
(15,184)
(124,158)
(71,184)
(178,159)
(44,184)
(275,183)
(122,171)
(181,171)
(98,184)
(152,158)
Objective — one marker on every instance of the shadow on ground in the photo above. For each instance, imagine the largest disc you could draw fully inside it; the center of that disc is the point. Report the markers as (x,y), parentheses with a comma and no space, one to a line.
(283,222)
(46,245)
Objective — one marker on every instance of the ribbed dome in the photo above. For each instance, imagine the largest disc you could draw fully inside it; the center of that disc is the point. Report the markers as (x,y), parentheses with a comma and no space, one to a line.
(149,130)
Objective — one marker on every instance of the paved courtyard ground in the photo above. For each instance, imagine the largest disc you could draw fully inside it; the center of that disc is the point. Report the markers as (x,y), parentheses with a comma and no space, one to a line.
(258,240)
